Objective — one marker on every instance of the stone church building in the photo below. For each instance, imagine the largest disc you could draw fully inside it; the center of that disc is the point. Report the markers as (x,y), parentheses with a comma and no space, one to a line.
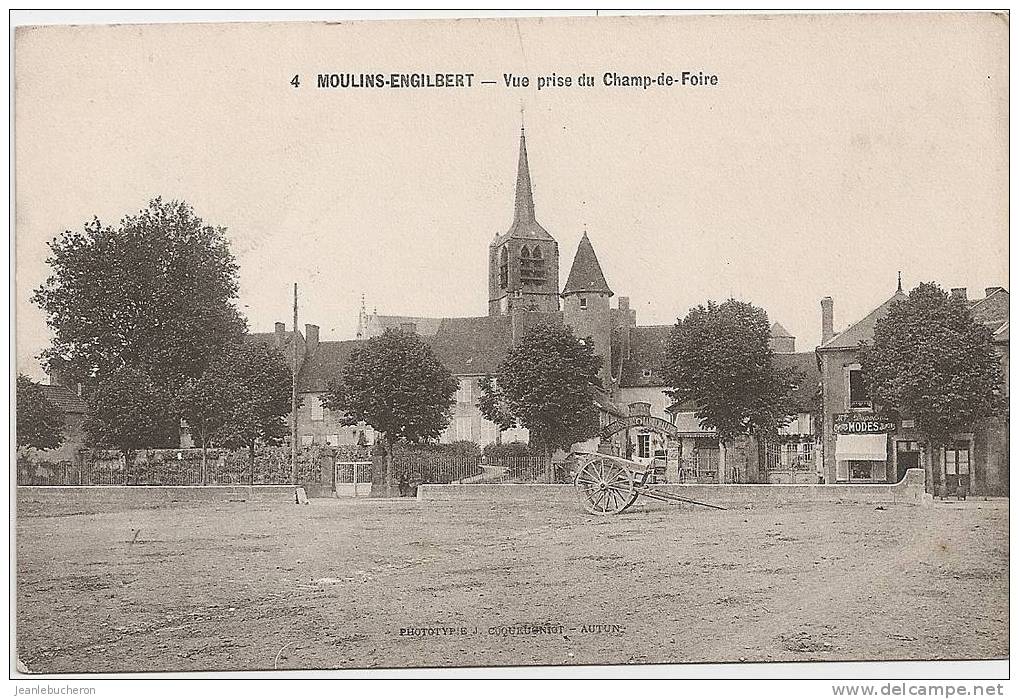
(636,416)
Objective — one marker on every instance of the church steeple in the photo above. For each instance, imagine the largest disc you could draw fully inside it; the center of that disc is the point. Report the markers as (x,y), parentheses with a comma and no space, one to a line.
(523,262)
(523,208)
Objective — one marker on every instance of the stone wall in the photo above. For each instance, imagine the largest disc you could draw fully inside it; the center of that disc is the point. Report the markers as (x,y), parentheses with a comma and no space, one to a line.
(150,495)
(909,491)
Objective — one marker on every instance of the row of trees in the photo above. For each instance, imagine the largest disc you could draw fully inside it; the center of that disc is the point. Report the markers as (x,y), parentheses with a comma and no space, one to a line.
(143,318)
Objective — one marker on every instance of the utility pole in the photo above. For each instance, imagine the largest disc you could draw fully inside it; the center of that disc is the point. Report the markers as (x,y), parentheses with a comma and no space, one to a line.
(293,402)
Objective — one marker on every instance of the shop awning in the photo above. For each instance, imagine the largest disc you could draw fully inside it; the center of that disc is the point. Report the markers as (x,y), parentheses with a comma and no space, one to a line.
(861,447)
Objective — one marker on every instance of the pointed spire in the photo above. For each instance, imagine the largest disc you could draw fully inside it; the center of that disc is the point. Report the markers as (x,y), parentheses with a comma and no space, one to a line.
(523,210)
(586,275)
(899,290)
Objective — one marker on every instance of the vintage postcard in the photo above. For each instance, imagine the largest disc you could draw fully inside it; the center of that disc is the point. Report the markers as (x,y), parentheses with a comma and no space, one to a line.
(541,342)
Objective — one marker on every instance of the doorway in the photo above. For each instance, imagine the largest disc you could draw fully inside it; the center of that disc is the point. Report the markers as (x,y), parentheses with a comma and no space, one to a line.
(907,456)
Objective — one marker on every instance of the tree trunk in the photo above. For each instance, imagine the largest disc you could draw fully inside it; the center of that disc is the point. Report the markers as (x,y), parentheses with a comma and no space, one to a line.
(721,461)
(205,465)
(942,476)
(124,453)
(388,446)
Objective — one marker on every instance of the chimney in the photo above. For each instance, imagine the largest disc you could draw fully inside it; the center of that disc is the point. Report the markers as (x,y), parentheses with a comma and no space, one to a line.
(281,334)
(405,327)
(827,319)
(959,293)
(310,337)
(991,289)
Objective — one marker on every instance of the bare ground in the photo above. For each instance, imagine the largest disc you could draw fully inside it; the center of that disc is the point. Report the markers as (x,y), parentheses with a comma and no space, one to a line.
(245,586)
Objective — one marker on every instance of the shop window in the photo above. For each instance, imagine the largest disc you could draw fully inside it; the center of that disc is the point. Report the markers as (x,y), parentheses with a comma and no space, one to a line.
(859,397)
(860,470)
(957,458)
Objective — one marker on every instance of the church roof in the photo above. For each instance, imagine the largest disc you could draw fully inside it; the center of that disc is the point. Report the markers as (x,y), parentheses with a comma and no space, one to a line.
(524,223)
(586,274)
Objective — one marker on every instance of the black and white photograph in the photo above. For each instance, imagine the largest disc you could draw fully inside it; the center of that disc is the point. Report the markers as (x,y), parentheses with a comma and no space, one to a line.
(571,346)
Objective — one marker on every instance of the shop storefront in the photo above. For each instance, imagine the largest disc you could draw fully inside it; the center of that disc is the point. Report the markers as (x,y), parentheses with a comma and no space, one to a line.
(861,447)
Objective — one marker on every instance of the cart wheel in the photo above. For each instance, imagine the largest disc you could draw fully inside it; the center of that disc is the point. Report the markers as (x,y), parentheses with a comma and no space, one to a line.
(605,487)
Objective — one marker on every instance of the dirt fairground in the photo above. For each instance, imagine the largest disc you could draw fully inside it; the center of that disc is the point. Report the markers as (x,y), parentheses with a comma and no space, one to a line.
(342,584)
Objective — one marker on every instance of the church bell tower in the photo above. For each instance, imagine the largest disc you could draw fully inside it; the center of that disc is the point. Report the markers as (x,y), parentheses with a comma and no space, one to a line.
(523,262)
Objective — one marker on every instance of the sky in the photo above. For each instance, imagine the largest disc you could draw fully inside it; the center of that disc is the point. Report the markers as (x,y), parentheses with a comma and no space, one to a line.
(834,151)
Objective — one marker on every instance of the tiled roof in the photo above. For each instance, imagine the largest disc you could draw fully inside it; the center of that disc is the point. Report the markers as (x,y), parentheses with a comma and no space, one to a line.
(473,346)
(991,310)
(586,274)
(424,326)
(649,344)
(778,331)
(269,338)
(647,354)
(325,364)
(1001,334)
(862,331)
(64,398)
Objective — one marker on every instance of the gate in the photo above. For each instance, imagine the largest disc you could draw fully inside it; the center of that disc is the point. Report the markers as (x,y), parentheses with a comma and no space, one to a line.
(353,479)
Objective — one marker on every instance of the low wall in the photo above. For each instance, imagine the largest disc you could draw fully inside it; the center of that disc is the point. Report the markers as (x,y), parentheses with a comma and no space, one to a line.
(909,491)
(143,495)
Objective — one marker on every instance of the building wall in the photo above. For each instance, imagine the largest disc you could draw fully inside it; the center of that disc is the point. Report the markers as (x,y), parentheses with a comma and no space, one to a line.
(595,322)
(653,395)
(323,426)
(467,422)
(989,441)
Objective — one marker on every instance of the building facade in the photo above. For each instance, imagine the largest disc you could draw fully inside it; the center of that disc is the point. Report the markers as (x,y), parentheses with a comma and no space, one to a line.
(523,289)
(863,445)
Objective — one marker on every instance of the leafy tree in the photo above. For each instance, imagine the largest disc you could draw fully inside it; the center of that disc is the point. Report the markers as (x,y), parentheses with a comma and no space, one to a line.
(39,421)
(255,388)
(546,384)
(156,292)
(930,360)
(128,412)
(207,402)
(395,383)
(719,359)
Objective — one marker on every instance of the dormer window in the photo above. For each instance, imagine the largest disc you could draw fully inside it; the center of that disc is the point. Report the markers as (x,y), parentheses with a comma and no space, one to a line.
(583,303)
